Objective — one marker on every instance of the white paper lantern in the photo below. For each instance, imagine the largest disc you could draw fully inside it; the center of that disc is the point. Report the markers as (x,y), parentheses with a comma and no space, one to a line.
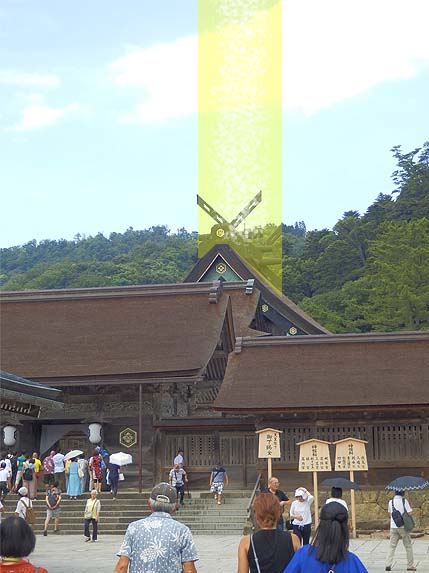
(95,433)
(9,435)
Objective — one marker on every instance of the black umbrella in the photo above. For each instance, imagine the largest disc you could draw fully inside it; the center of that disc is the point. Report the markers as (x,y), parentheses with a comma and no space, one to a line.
(343,483)
(408,483)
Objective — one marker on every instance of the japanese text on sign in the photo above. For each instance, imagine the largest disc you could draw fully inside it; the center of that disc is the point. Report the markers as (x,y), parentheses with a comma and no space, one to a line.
(350,455)
(269,444)
(314,456)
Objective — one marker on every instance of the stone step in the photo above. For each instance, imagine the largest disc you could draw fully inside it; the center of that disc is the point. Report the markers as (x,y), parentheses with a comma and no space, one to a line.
(201,514)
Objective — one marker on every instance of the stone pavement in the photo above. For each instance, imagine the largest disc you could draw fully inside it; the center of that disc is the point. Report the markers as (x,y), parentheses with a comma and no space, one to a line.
(70,554)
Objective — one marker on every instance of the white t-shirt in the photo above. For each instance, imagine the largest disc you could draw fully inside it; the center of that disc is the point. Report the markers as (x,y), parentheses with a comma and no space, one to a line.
(397,503)
(4,474)
(338,500)
(177,477)
(302,508)
(21,510)
(58,460)
(178,460)
(8,464)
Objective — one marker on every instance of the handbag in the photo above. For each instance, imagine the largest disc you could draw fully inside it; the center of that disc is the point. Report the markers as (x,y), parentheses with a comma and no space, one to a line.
(121,477)
(289,525)
(407,519)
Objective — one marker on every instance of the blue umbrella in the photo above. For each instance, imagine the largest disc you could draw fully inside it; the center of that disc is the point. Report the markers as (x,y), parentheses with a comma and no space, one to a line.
(343,483)
(408,483)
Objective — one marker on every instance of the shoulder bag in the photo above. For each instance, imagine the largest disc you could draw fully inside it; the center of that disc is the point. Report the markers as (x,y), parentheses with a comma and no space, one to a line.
(407,519)
(254,553)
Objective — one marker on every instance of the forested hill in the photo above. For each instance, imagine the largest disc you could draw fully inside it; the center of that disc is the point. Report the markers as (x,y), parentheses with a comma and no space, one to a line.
(369,273)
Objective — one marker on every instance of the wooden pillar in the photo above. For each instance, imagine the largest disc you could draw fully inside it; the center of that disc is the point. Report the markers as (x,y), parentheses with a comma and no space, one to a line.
(316,499)
(140,438)
(353,506)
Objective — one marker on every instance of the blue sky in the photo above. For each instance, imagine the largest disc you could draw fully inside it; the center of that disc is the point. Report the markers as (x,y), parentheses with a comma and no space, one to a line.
(98,116)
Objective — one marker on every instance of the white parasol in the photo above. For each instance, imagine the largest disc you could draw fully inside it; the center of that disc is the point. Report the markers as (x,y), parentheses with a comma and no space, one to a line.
(121,459)
(73,454)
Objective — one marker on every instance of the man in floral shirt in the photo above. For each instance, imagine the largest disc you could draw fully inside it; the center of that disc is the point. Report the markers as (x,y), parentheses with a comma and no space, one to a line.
(158,543)
(48,470)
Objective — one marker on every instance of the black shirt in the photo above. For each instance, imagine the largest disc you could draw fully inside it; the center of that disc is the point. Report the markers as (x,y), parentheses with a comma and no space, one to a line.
(279,493)
(274,550)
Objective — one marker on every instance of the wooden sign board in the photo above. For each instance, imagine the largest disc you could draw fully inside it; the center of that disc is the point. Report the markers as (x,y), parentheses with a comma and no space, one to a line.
(269,443)
(350,455)
(314,456)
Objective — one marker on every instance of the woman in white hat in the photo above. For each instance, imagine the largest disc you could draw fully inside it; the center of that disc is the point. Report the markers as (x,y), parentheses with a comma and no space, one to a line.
(300,514)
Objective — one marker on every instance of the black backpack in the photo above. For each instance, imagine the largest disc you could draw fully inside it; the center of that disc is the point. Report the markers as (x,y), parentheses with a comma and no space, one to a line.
(28,474)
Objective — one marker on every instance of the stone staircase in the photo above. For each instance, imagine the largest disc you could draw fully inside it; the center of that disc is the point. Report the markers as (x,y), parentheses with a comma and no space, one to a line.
(200,513)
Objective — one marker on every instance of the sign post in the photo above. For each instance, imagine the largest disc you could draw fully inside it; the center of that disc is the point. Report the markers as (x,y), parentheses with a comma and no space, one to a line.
(269,446)
(350,455)
(314,457)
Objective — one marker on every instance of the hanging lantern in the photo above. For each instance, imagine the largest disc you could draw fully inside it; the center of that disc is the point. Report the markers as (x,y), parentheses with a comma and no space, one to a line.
(9,435)
(95,433)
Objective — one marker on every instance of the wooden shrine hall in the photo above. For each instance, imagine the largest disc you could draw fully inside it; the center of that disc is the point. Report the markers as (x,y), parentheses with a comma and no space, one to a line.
(203,364)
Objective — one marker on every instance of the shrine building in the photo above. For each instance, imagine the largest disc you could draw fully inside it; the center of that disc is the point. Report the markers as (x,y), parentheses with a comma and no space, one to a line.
(202,365)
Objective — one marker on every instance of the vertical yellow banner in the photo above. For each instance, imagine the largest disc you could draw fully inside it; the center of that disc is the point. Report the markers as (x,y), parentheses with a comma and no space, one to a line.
(240,130)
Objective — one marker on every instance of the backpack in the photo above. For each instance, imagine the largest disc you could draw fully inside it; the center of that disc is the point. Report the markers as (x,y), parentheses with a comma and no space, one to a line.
(28,474)
(53,498)
(30,514)
(397,517)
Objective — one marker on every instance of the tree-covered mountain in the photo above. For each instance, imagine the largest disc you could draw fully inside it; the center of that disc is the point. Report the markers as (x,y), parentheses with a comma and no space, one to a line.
(369,273)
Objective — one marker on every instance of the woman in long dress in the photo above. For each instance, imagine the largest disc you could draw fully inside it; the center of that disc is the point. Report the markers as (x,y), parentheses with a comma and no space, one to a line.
(73,486)
(95,469)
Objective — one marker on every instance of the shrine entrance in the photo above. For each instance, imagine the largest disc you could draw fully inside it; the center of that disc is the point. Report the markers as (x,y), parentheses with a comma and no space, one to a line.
(237,452)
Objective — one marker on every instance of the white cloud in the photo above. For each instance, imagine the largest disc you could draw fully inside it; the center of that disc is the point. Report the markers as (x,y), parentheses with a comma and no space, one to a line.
(38,114)
(168,75)
(332,50)
(28,80)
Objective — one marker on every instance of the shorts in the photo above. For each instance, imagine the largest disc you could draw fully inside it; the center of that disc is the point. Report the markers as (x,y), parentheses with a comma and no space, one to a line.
(48,479)
(53,512)
(217,487)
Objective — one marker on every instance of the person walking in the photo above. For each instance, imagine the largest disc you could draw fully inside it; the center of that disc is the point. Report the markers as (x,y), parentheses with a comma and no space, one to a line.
(13,458)
(218,479)
(177,479)
(268,550)
(95,470)
(114,471)
(6,460)
(38,465)
(20,460)
(24,502)
(73,484)
(397,531)
(53,508)
(29,478)
(58,460)
(329,550)
(92,516)
(158,543)
(4,476)
(17,542)
(300,514)
(48,471)
(179,460)
(337,495)
(273,487)
(82,471)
